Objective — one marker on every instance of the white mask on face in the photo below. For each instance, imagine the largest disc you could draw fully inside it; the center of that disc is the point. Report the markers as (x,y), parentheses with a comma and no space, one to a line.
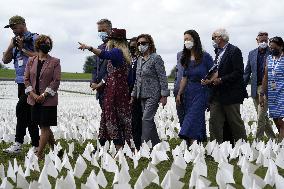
(188,44)
(262,45)
(214,44)
(143,48)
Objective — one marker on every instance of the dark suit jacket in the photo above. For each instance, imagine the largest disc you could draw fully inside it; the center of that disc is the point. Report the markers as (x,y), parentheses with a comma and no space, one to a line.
(100,71)
(231,70)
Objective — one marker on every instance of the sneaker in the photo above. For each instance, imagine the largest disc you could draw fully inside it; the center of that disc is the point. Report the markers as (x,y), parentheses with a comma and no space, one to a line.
(14,149)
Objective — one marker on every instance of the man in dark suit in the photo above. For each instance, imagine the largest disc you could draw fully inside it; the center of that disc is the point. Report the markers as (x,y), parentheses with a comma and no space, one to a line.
(228,89)
(254,72)
(100,66)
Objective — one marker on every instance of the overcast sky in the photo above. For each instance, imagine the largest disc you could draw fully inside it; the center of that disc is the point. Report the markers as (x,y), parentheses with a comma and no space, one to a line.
(70,21)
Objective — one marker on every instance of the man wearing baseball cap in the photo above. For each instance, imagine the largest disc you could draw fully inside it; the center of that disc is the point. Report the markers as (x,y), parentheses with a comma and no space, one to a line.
(19,50)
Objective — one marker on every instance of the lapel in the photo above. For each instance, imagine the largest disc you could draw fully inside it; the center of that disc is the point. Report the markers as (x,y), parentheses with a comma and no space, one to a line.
(45,65)
(224,57)
(254,59)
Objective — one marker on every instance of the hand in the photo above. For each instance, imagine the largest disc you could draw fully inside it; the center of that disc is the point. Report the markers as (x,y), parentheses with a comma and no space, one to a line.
(261,100)
(83,46)
(217,81)
(35,96)
(131,100)
(163,101)
(178,100)
(94,86)
(40,99)
(206,81)
(20,42)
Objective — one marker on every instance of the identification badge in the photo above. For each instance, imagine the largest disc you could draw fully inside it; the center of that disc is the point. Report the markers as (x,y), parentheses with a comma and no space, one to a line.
(273,72)
(273,85)
(20,62)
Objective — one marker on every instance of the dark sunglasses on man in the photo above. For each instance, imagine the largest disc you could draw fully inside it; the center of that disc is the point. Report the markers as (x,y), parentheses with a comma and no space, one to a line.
(142,43)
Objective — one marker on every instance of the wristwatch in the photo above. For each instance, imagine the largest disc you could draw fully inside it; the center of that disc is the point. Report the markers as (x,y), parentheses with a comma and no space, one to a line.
(90,48)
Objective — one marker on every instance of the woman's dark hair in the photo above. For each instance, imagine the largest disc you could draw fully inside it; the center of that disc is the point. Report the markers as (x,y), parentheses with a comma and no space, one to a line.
(277,40)
(133,39)
(152,48)
(197,49)
(40,40)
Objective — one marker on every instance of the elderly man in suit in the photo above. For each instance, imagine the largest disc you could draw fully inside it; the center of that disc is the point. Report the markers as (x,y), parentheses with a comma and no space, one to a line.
(254,72)
(178,77)
(228,89)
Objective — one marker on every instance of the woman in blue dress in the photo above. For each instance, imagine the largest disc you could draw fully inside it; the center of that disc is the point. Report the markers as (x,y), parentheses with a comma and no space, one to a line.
(273,84)
(197,64)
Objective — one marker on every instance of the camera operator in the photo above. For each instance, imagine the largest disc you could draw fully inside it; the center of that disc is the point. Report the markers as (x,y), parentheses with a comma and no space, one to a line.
(19,50)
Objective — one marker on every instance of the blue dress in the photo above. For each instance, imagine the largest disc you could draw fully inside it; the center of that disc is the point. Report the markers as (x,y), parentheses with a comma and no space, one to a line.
(276,96)
(196,99)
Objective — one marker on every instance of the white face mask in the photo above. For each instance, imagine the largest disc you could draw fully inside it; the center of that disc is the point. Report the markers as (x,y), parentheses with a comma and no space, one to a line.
(262,45)
(214,44)
(143,48)
(188,44)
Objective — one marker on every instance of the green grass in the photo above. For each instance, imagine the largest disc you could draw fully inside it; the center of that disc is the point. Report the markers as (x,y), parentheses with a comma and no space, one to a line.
(10,74)
(162,167)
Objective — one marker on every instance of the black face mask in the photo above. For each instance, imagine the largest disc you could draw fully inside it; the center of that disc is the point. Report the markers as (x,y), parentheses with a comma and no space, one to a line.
(132,50)
(45,48)
(275,52)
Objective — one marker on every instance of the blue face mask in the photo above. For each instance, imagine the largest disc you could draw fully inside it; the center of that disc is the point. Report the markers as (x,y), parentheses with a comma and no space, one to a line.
(103,36)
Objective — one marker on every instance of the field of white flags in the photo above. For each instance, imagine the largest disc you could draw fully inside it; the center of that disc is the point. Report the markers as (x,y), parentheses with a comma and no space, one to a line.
(169,164)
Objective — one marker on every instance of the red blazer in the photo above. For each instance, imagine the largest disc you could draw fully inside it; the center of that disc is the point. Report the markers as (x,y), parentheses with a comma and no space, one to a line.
(49,80)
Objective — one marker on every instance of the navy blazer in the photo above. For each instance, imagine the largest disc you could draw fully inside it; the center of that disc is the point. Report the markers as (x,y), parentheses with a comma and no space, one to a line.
(231,69)
(100,71)
(251,71)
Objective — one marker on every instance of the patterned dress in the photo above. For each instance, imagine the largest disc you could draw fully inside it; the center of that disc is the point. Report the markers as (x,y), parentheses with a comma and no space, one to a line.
(116,111)
(276,90)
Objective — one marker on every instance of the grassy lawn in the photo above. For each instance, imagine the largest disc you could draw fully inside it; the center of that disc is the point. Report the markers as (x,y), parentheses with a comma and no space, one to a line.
(162,167)
(10,74)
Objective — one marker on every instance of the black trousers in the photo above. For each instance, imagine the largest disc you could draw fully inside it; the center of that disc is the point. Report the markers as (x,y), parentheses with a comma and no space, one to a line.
(23,113)
(137,115)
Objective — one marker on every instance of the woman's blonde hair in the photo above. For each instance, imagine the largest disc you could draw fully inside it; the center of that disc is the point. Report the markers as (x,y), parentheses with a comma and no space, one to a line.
(122,45)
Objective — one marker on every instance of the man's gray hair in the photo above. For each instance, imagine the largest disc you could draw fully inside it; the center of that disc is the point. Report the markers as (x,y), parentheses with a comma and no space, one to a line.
(223,33)
(105,21)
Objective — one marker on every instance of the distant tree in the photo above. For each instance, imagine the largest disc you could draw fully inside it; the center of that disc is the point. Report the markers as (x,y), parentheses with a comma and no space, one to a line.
(2,66)
(173,73)
(89,64)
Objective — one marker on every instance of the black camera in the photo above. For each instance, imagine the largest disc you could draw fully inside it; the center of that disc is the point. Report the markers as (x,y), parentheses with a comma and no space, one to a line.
(210,73)
(27,40)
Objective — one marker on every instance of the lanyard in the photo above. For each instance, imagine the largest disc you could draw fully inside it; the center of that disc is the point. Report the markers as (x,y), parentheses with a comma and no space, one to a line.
(275,64)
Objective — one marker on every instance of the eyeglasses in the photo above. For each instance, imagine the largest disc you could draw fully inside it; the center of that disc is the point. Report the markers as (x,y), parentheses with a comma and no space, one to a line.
(214,37)
(142,43)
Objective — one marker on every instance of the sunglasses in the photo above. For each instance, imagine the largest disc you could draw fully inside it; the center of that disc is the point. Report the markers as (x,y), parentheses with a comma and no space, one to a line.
(142,43)
(213,38)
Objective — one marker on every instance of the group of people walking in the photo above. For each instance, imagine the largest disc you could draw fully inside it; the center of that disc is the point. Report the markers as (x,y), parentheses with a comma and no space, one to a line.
(130,82)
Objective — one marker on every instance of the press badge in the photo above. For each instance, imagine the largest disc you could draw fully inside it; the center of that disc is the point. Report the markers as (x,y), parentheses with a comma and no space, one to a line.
(20,62)
(273,85)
